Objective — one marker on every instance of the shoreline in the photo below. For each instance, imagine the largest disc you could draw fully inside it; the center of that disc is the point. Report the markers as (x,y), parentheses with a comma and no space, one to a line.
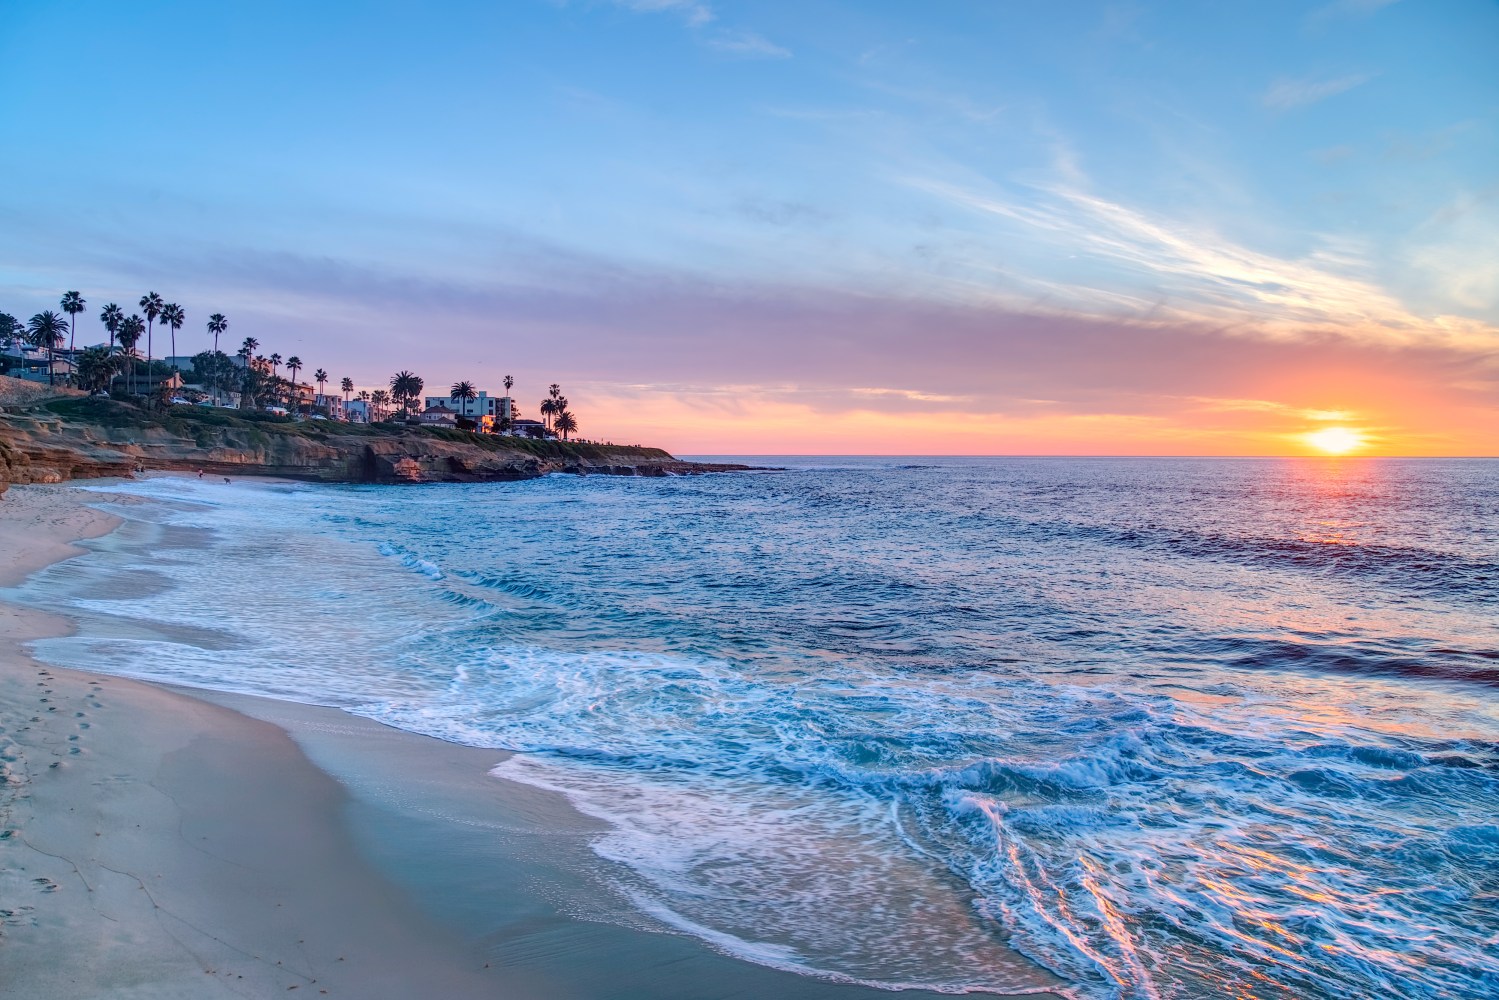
(186,835)
(55,439)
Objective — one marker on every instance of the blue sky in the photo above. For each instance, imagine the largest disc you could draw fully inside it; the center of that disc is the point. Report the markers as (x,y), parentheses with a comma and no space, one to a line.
(828,223)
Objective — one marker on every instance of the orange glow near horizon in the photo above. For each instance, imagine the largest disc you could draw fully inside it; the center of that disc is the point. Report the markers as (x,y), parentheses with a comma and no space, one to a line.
(747,421)
(1336,440)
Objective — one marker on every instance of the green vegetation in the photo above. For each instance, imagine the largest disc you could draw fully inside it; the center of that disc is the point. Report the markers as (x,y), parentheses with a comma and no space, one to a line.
(256,380)
(197,422)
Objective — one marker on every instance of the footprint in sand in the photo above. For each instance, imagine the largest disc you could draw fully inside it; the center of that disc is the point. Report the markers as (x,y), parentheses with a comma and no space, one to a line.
(15,916)
(84,725)
(44,884)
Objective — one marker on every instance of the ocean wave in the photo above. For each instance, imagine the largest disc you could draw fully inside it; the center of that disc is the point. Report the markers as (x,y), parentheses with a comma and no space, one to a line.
(1158,749)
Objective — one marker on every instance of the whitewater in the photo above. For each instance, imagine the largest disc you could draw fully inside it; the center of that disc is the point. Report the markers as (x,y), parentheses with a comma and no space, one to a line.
(1167,727)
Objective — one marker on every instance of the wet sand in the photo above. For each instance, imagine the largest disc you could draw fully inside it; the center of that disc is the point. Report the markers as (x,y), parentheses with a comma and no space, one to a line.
(160,842)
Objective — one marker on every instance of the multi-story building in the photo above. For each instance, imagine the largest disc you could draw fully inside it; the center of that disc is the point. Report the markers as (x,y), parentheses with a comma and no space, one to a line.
(21,361)
(482,405)
(333,404)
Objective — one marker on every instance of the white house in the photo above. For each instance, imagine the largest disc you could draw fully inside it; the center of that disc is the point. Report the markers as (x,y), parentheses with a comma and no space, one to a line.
(439,416)
(482,405)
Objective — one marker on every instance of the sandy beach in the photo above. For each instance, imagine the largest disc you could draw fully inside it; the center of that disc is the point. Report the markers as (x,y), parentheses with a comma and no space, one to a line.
(159,842)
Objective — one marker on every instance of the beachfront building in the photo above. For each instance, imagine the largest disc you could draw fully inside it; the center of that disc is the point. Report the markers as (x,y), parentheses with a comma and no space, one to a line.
(439,416)
(482,405)
(530,428)
(303,397)
(333,405)
(18,360)
(141,384)
(357,411)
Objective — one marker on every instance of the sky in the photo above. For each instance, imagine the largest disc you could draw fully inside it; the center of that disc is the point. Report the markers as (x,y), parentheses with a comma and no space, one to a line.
(868,226)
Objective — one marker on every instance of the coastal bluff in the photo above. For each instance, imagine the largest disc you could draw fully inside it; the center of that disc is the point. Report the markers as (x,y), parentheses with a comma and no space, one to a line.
(50,441)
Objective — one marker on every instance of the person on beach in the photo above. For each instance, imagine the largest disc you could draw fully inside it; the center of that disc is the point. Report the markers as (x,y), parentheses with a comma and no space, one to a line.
(200,473)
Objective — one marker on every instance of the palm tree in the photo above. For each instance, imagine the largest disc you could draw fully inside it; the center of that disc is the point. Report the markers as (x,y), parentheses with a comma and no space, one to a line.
(553,404)
(173,316)
(347,385)
(111,316)
(405,387)
(378,399)
(96,367)
(565,422)
(294,365)
(73,304)
(9,327)
(463,390)
(151,304)
(131,329)
(217,324)
(509,381)
(275,363)
(246,353)
(320,377)
(45,330)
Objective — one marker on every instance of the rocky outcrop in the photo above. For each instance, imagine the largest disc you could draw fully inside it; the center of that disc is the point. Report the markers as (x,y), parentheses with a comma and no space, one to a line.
(89,438)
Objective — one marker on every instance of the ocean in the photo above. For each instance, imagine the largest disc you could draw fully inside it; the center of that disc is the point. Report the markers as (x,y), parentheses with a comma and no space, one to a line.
(1167,727)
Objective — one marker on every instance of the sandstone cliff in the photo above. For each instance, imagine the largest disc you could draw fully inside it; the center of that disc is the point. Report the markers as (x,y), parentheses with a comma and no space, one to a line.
(81,438)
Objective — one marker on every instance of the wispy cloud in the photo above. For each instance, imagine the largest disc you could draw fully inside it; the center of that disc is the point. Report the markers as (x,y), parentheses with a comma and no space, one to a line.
(696,14)
(747,44)
(1268,406)
(914,395)
(734,41)
(1345,8)
(1287,93)
(1212,280)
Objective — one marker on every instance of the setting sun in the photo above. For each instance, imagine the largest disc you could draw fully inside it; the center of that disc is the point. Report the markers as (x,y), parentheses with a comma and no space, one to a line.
(1335,440)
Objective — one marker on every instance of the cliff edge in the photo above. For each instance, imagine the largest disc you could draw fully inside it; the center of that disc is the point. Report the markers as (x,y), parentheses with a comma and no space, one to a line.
(77,438)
